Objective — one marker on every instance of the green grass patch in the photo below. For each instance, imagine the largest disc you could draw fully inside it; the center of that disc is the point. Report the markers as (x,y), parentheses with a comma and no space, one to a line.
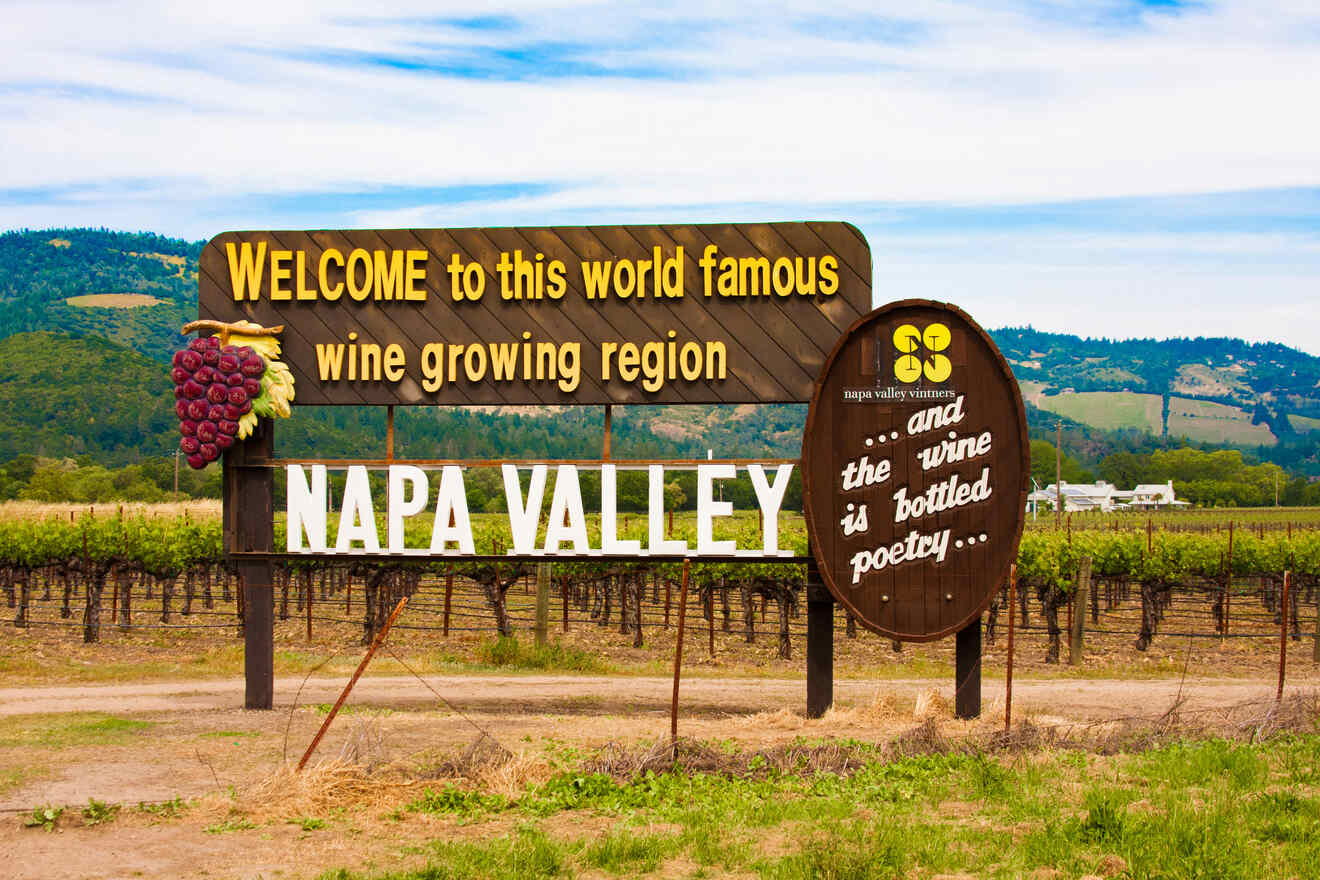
(229,734)
(74,729)
(1203,809)
(507,652)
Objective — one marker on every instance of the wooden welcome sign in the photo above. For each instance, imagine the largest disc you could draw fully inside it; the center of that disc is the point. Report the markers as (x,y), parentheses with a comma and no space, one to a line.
(915,468)
(728,313)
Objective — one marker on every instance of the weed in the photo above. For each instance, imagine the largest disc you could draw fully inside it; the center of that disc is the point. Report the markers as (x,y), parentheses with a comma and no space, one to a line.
(452,799)
(165,809)
(230,824)
(43,817)
(97,812)
(308,823)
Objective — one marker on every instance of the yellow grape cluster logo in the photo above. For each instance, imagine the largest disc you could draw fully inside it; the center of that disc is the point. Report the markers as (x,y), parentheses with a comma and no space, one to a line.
(911,343)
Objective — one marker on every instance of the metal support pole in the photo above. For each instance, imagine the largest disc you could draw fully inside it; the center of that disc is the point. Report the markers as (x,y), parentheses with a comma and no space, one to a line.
(820,644)
(967,671)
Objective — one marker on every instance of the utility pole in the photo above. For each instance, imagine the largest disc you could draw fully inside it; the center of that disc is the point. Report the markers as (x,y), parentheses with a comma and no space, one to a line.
(1058,474)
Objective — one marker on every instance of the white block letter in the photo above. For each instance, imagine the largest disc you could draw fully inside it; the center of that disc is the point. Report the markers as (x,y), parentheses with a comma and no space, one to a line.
(771,498)
(708,508)
(406,494)
(357,521)
(306,508)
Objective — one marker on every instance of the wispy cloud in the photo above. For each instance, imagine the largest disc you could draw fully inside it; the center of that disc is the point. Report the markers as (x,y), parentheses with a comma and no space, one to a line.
(1055,150)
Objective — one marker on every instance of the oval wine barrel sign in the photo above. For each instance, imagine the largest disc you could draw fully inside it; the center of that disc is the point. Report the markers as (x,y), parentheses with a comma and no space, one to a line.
(915,463)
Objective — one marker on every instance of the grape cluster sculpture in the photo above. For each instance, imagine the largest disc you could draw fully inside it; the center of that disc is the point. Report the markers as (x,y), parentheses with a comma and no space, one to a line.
(224,382)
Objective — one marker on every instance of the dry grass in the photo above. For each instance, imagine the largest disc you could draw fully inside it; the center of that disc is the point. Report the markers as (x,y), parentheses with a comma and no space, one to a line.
(113,300)
(197,509)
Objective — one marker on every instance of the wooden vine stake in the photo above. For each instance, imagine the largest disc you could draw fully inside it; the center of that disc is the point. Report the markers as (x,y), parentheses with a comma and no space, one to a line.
(1283,634)
(1008,670)
(357,673)
(678,656)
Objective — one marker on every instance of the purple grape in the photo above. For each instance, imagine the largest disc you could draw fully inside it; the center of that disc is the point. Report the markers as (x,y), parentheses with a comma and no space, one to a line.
(245,407)
(215,412)
(227,363)
(238,396)
(210,357)
(244,352)
(233,380)
(192,389)
(231,413)
(188,428)
(196,462)
(213,342)
(181,409)
(177,361)
(199,345)
(197,410)
(253,367)
(252,387)
(178,392)
(206,432)
(209,451)
(190,361)
(224,441)
(217,393)
(228,427)
(189,445)
(204,375)
(180,375)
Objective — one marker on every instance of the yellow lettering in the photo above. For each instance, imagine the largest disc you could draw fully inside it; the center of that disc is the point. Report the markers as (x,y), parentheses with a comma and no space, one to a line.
(474,362)
(784,287)
(503,361)
(394,362)
(329,361)
(300,274)
(328,256)
(653,365)
(415,275)
(596,279)
(358,257)
(829,275)
(628,360)
(714,350)
(370,365)
(570,366)
(389,277)
(433,367)
(557,282)
(245,270)
(753,276)
(727,283)
(607,350)
(280,271)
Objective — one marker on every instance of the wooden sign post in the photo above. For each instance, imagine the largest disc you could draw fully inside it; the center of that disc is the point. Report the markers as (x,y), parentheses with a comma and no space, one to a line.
(586,315)
(915,464)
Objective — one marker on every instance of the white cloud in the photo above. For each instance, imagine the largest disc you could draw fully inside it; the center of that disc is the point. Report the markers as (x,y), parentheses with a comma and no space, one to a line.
(182,117)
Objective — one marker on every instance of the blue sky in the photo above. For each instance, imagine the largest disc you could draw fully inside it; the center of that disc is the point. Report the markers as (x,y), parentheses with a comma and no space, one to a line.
(1117,167)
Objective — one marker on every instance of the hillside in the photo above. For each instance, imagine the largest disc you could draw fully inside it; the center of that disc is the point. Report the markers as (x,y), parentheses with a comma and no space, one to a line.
(137,289)
(1221,391)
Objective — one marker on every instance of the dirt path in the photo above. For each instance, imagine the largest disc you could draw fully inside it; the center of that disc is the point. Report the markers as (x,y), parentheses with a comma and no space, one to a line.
(529,694)
(198,743)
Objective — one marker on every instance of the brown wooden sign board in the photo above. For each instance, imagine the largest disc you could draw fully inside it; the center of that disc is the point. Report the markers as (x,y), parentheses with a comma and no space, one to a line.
(915,468)
(730,313)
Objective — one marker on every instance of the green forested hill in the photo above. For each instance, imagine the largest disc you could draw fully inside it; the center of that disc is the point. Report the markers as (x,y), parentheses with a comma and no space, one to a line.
(137,289)
(41,271)
(67,396)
